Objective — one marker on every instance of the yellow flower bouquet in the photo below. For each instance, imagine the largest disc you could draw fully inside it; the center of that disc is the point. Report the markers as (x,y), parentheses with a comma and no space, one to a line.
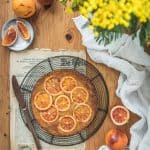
(109,19)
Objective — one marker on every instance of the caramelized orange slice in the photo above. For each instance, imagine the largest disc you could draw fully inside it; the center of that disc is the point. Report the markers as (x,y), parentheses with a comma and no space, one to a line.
(62,103)
(42,101)
(79,95)
(68,83)
(10,36)
(52,85)
(67,123)
(82,112)
(51,115)
(23,30)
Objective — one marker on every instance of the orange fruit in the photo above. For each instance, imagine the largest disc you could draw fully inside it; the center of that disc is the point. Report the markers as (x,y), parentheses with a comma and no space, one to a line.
(42,101)
(50,115)
(116,139)
(82,112)
(52,85)
(10,36)
(119,115)
(67,123)
(68,83)
(24,9)
(23,30)
(79,95)
(62,103)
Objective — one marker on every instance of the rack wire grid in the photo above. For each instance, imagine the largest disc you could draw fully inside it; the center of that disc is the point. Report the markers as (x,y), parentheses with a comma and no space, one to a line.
(77,64)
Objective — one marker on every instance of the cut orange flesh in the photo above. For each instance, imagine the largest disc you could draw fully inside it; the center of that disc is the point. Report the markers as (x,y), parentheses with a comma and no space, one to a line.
(119,115)
(52,86)
(62,103)
(10,36)
(79,95)
(24,32)
(68,83)
(42,101)
(82,112)
(51,115)
(67,123)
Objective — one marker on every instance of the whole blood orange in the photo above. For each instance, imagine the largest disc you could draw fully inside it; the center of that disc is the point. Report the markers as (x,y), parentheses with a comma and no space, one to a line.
(50,115)
(52,85)
(119,115)
(67,123)
(62,103)
(116,139)
(10,36)
(23,30)
(82,112)
(42,101)
(68,83)
(79,95)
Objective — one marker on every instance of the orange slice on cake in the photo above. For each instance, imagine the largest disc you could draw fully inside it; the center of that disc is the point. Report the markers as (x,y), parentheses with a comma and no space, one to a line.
(79,95)
(68,83)
(42,101)
(51,115)
(67,123)
(82,112)
(62,103)
(52,85)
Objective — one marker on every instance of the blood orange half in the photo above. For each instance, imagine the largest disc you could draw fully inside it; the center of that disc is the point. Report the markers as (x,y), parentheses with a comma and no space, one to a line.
(52,85)
(42,100)
(82,112)
(68,83)
(79,95)
(119,115)
(62,103)
(51,115)
(67,123)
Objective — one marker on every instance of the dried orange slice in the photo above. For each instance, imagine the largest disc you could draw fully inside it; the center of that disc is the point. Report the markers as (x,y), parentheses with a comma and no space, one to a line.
(10,36)
(82,112)
(79,95)
(42,101)
(119,115)
(23,30)
(50,115)
(67,123)
(62,103)
(52,85)
(68,83)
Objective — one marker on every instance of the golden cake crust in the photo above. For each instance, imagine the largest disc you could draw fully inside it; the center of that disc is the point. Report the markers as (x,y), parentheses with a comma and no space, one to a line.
(82,81)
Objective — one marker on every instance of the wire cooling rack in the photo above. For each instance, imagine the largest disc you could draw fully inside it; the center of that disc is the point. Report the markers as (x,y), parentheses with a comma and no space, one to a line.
(77,64)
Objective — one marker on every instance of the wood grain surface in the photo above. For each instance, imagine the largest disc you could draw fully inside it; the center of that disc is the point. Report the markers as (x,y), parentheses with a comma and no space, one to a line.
(52,28)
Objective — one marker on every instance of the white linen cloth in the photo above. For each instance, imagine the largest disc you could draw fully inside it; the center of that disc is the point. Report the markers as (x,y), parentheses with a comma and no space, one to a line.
(128,57)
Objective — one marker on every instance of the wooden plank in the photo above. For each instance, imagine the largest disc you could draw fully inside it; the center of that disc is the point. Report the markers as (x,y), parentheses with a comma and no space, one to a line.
(51,27)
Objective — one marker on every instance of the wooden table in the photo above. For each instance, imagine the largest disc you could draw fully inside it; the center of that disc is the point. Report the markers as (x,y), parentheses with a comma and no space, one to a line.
(51,27)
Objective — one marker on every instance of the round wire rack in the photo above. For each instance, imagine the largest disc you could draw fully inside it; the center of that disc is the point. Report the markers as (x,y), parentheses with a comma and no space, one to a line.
(77,64)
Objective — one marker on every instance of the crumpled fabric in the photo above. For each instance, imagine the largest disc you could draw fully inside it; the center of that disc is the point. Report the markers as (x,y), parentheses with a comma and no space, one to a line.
(128,57)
